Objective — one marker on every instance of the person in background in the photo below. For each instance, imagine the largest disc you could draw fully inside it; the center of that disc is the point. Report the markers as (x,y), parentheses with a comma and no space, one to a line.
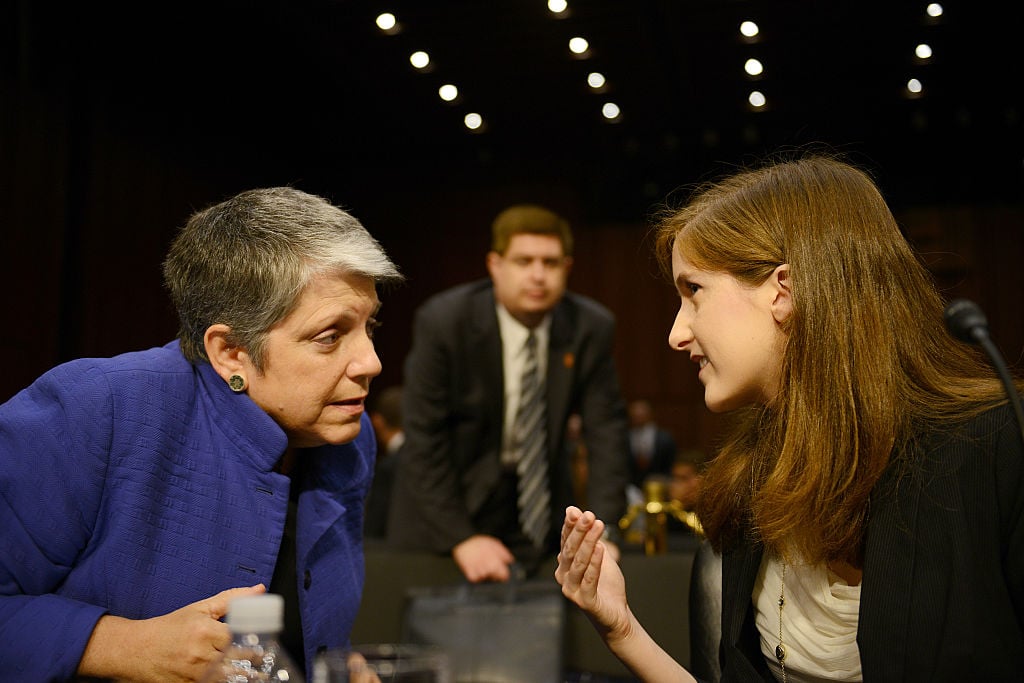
(653,448)
(139,494)
(386,416)
(495,370)
(685,479)
(869,503)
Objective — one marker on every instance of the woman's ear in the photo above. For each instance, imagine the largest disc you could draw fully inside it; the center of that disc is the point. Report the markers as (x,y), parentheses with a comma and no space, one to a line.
(782,303)
(226,357)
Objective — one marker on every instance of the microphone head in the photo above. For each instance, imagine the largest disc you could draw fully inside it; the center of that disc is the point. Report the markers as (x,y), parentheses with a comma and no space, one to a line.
(965,321)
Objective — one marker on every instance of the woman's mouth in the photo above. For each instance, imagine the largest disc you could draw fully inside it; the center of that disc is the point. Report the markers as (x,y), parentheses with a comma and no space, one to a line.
(351,403)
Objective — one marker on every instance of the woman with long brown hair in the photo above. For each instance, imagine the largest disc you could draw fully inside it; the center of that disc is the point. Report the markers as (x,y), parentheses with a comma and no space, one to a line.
(869,501)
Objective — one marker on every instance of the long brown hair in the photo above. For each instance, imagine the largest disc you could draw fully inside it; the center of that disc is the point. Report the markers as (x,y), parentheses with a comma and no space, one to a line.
(868,363)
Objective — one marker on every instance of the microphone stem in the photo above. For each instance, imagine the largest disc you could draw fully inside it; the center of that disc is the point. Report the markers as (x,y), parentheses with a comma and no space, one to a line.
(1004,375)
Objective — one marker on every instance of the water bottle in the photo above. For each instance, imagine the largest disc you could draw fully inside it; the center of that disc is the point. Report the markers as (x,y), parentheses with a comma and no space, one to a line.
(256,653)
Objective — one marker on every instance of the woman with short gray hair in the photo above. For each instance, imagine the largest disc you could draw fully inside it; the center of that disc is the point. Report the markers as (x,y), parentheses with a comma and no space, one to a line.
(141,493)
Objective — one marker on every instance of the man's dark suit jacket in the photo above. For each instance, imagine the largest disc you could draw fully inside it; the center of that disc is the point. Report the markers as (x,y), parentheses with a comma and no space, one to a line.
(453,416)
(662,457)
(942,596)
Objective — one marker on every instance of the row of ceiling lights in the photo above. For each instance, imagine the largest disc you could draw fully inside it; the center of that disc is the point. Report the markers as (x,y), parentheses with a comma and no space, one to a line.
(923,52)
(755,69)
(580,48)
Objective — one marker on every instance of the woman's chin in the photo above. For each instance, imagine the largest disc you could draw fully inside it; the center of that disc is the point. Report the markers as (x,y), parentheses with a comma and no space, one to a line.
(722,404)
(335,435)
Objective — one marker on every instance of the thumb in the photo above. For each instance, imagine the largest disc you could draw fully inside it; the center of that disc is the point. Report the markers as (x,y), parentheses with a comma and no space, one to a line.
(217,605)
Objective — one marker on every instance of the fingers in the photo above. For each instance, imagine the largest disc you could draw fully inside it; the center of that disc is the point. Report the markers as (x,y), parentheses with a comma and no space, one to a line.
(579,541)
(591,572)
(505,555)
(360,671)
(580,531)
(489,572)
(499,573)
(217,605)
(572,515)
(483,558)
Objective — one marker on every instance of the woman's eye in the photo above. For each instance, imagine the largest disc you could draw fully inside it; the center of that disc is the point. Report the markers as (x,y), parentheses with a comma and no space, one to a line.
(692,287)
(328,339)
(372,325)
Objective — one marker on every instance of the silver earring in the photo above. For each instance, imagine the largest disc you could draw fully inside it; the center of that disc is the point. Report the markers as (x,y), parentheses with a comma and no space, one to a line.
(237,383)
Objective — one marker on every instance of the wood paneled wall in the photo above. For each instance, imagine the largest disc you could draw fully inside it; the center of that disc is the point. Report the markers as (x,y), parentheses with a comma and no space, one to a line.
(95,182)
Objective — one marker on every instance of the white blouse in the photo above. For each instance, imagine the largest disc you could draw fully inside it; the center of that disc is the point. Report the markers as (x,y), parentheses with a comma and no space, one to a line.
(819,622)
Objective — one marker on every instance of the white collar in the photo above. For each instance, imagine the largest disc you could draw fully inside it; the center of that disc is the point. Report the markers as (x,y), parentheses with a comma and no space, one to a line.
(514,333)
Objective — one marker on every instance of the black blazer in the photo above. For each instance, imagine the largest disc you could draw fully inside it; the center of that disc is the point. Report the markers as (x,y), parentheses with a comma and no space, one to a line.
(942,596)
(453,415)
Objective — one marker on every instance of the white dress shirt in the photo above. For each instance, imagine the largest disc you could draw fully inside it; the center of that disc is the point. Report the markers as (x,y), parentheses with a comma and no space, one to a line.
(513,354)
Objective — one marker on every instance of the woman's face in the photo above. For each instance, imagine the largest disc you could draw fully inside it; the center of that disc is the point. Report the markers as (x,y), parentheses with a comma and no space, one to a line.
(319,362)
(732,332)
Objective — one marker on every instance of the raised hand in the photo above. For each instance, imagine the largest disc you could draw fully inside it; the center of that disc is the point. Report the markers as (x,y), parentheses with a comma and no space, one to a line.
(589,575)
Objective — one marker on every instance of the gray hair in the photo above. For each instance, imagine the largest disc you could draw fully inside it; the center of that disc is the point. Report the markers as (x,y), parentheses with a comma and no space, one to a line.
(245,262)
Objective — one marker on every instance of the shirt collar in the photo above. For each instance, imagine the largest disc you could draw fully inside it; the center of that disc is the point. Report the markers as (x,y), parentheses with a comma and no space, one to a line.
(514,333)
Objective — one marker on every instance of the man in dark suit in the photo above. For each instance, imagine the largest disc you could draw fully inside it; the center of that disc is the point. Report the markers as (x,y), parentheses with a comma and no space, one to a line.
(465,472)
(653,447)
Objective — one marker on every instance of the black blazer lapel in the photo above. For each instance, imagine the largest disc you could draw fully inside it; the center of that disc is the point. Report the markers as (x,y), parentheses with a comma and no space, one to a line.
(889,554)
(740,644)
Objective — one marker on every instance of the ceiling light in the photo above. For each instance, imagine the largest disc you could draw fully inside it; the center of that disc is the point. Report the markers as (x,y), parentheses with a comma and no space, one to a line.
(448,92)
(610,111)
(749,29)
(934,10)
(419,59)
(473,121)
(753,67)
(558,6)
(595,80)
(757,99)
(578,45)
(914,86)
(386,21)
(923,51)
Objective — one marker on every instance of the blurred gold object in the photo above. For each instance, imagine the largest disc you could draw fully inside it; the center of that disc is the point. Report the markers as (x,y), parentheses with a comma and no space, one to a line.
(656,508)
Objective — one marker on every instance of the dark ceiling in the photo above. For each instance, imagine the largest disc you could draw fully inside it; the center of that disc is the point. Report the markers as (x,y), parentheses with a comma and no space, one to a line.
(315,86)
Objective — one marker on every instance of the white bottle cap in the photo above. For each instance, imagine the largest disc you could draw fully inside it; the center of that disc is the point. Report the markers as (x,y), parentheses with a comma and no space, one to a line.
(256,614)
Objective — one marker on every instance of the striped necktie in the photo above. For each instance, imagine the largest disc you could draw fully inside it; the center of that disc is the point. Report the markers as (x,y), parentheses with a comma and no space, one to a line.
(530,435)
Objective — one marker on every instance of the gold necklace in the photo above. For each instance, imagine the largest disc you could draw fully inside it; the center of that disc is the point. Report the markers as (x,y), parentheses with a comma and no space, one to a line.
(780,649)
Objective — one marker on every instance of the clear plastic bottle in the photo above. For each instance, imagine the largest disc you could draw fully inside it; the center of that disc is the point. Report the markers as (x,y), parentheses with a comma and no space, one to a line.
(256,653)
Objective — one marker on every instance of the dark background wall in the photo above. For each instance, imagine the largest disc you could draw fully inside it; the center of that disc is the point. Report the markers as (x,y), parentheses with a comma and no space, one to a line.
(115,126)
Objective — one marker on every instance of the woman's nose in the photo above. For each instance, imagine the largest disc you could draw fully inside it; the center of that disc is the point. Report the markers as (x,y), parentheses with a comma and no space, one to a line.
(367,362)
(680,335)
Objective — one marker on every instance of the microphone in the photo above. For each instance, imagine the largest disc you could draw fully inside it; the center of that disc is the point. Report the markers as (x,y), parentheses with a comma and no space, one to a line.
(966,322)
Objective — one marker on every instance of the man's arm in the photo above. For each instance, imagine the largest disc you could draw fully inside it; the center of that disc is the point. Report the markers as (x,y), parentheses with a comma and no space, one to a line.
(428,471)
